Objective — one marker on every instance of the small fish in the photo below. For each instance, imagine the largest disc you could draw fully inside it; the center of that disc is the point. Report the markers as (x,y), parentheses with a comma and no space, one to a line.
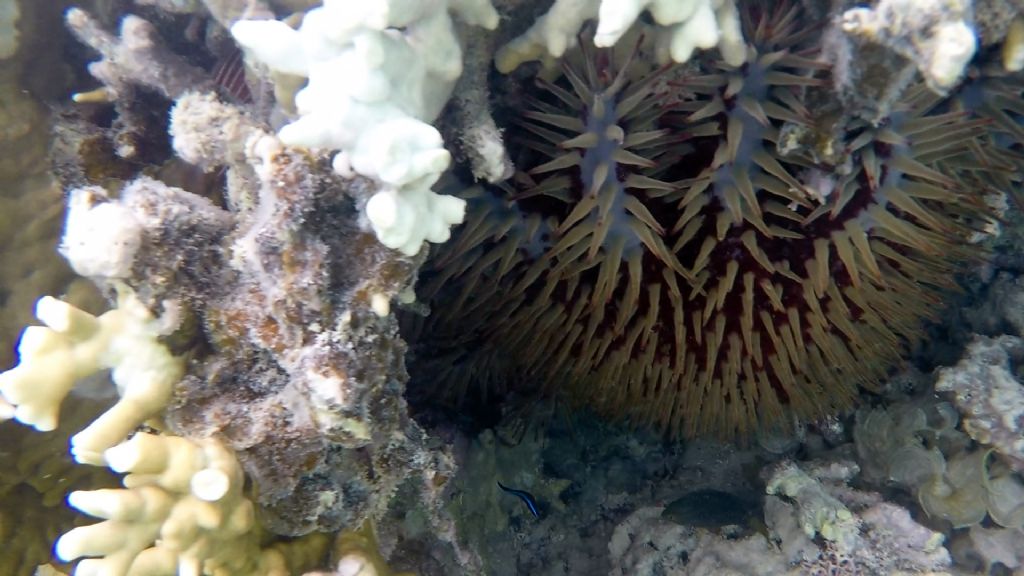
(229,74)
(525,496)
(710,508)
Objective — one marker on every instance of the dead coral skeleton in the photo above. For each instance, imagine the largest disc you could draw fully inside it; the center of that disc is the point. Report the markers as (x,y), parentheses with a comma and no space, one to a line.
(989,395)
(137,57)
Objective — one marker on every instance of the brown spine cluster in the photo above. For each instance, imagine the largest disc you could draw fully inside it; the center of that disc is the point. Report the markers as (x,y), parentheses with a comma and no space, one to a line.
(666,256)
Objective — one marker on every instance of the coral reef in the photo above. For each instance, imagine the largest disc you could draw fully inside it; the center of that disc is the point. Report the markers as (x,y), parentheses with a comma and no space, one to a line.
(275,334)
(286,346)
(822,520)
(622,482)
(997,547)
(707,217)
(181,511)
(920,445)
(984,387)
(817,511)
(136,58)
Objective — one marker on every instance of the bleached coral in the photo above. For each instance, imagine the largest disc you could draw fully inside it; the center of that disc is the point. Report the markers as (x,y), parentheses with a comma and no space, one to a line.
(685,25)
(182,512)
(379,73)
(75,344)
(298,372)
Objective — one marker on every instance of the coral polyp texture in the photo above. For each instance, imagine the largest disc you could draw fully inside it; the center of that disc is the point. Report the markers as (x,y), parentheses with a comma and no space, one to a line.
(673,250)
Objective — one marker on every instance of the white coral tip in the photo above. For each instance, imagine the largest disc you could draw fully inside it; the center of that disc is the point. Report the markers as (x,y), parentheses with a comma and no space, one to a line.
(210,485)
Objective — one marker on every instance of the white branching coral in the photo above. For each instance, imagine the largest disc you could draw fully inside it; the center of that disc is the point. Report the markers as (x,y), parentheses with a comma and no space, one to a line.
(379,73)
(685,25)
(75,344)
(182,512)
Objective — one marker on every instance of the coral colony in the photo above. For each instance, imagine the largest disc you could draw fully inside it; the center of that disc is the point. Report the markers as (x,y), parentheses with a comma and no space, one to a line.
(519,287)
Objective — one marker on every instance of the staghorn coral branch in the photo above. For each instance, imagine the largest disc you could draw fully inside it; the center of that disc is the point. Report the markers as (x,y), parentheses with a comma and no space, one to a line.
(135,57)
